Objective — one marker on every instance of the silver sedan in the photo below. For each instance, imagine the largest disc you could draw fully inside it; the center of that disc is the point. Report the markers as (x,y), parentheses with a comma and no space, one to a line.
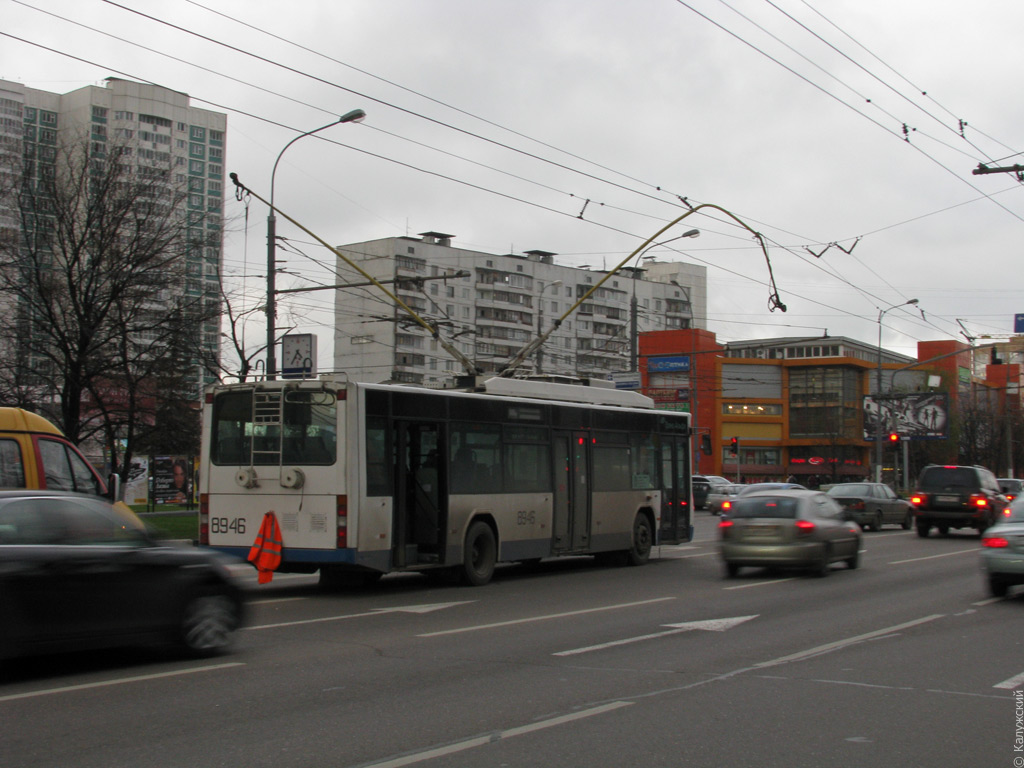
(1002,550)
(788,529)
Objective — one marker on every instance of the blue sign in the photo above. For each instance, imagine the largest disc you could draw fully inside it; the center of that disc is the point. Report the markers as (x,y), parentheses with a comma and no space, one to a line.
(1018,323)
(666,364)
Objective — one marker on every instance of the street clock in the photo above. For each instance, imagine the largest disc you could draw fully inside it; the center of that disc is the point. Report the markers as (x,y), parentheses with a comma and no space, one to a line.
(298,356)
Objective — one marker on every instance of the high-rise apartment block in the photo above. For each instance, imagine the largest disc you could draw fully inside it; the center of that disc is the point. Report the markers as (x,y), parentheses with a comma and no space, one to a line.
(166,139)
(491,306)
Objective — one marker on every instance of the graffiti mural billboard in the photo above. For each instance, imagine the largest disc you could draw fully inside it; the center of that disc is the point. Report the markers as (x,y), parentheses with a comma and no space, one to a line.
(917,415)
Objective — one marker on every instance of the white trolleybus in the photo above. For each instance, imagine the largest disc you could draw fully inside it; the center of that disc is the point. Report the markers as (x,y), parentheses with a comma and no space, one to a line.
(367,479)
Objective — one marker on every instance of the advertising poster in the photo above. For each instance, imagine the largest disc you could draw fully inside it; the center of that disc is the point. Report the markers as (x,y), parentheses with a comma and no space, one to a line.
(172,480)
(136,490)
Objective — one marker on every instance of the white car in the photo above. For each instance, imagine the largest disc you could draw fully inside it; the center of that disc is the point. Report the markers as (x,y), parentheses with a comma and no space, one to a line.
(720,494)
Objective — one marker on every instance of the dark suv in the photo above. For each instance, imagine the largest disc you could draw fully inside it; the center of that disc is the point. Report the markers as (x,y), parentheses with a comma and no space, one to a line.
(956,497)
(701,487)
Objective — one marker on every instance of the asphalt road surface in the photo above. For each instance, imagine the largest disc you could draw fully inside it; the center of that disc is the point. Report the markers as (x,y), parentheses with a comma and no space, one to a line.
(902,662)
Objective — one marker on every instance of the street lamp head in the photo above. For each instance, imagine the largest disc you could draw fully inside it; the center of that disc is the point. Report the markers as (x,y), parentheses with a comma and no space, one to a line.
(691,233)
(355,116)
(912,301)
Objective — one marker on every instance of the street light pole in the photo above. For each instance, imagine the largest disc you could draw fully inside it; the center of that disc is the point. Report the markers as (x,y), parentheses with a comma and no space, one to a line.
(878,392)
(354,116)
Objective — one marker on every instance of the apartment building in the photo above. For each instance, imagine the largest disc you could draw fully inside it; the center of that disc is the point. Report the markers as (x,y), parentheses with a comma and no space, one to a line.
(489,306)
(166,138)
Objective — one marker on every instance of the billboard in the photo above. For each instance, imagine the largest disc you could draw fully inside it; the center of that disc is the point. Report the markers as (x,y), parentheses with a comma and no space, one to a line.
(916,415)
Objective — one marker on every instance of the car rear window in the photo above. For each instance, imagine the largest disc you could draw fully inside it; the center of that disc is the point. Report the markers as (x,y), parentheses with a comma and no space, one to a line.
(950,478)
(764,506)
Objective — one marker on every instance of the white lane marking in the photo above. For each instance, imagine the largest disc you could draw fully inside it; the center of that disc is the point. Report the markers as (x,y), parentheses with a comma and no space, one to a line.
(545,617)
(847,641)
(1011,683)
(479,741)
(932,557)
(710,625)
(425,608)
(763,583)
(119,681)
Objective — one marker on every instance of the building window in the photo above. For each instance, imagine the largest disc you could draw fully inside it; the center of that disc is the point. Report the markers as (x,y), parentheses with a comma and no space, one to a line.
(48,118)
(752,409)
(197,150)
(196,166)
(99,114)
(197,133)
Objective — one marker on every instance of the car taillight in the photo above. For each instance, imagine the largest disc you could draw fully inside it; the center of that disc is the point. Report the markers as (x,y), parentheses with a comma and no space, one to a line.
(804,527)
(1011,496)
(995,542)
(1006,512)
(858,505)
(726,506)
(919,499)
(725,528)
(342,540)
(204,518)
(979,501)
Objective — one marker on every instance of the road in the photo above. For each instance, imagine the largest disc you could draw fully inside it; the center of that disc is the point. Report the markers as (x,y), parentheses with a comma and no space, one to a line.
(904,661)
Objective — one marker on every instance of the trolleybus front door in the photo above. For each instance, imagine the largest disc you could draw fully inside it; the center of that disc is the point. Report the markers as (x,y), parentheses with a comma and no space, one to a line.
(421,498)
(572,492)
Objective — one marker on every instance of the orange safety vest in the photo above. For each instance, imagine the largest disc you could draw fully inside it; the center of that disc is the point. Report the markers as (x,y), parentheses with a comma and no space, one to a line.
(266,550)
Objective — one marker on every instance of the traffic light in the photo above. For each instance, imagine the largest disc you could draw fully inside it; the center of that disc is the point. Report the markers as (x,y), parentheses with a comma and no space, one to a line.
(734,446)
(894,437)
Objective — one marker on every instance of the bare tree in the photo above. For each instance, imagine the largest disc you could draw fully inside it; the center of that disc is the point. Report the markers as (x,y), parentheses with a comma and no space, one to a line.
(97,284)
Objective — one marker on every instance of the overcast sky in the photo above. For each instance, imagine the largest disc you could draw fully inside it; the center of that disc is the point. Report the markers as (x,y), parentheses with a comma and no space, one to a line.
(846,128)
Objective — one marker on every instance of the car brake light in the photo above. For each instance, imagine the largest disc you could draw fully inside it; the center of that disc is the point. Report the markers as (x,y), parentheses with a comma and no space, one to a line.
(726,505)
(1006,512)
(858,505)
(725,524)
(918,499)
(342,538)
(804,526)
(995,542)
(204,518)
(979,501)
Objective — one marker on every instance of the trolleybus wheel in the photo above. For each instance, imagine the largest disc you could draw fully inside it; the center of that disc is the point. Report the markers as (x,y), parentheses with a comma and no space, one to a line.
(643,539)
(479,555)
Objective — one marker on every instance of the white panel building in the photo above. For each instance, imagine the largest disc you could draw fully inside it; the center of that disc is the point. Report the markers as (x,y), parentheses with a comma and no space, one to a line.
(490,306)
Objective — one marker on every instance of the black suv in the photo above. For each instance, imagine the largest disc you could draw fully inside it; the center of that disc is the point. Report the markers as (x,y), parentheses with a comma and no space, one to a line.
(701,487)
(956,497)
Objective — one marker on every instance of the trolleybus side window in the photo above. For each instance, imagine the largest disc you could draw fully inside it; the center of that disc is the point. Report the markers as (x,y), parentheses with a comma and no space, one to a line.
(612,462)
(378,457)
(476,458)
(527,459)
(645,462)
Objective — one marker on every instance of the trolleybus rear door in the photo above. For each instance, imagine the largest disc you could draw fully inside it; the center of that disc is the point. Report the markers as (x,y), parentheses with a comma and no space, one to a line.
(675,490)
(572,492)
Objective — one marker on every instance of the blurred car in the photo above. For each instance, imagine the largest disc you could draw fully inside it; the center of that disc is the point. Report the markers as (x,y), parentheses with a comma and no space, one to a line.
(720,495)
(1011,487)
(701,487)
(788,529)
(1002,551)
(78,573)
(874,505)
(949,496)
(757,488)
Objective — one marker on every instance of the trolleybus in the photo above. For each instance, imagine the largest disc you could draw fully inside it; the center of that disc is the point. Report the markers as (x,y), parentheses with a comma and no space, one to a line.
(366,479)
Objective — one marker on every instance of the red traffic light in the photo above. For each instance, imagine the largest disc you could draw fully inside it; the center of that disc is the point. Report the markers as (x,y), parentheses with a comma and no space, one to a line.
(894,437)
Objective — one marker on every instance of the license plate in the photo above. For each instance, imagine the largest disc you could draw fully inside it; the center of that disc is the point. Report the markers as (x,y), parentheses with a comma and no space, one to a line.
(947,499)
(762,530)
